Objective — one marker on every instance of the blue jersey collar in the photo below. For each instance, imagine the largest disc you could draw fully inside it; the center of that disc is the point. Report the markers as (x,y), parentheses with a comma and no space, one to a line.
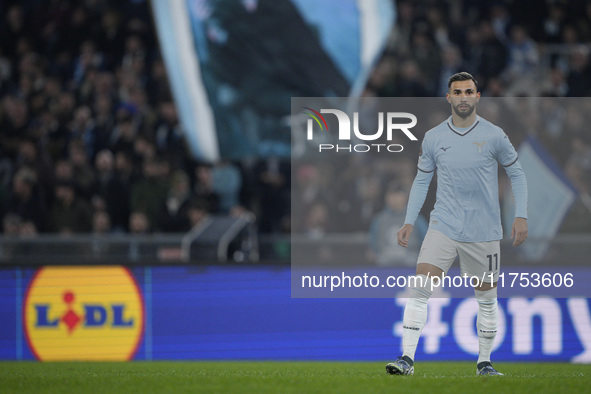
(463,131)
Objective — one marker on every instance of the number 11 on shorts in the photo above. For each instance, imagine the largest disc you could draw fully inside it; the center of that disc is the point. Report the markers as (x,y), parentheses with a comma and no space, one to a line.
(490,261)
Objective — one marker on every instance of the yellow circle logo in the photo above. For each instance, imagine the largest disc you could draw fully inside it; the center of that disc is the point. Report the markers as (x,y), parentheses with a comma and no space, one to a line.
(83,313)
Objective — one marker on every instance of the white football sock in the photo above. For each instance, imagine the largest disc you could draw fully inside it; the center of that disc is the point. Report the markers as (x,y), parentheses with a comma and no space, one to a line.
(486,323)
(415,315)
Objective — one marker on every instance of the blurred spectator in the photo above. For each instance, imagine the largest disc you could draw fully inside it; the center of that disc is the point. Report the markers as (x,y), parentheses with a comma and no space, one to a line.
(64,171)
(168,132)
(139,223)
(148,194)
(500,19)
(32,157)
(316,221)
(54,135)
(14,125)
(383,242)
(404,26)
(444,33)
(227,182)
(428,59)
(382,79)
(69,213)
(204,187)
(101,222)
(556,86)
(157,84)
(554,23)
(82,128)
(581,22)
(554,127)
(173,215)
(134,56)
(451,64)
(5,71)
(144,149)
(523,54)
(104,122)
(26,199)
(64,107)
(367,200)
(111,41)
(111,191)
(5,180)
(11,225)
(123,135)
(138,98)
(411,83)
(28,229)
(493,55)
(579,77)
(570,35)
(274,182)
(124,167)
(495,88)
(196,211)
(578,166)
(13,29)
(84,175)
(88,60)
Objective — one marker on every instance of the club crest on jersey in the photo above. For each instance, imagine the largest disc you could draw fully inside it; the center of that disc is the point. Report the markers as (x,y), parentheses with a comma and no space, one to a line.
(480,145)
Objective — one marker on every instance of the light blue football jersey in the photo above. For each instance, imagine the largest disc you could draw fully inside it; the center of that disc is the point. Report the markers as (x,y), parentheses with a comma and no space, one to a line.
(467,206)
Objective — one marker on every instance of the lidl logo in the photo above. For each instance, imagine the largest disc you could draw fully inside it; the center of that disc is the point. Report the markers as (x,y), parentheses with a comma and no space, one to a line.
(83,313)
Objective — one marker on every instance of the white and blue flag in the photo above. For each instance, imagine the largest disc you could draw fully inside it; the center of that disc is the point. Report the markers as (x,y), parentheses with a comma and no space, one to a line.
(234,65)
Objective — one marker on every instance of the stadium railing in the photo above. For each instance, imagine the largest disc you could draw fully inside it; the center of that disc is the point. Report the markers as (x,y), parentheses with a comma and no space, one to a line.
(225,240)
(217,239)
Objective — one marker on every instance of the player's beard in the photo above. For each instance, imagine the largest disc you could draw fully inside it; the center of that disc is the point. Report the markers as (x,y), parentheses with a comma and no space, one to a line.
(464,112)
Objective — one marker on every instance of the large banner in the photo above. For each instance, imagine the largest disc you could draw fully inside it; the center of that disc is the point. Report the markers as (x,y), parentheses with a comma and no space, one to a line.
(237,313)
(234,65)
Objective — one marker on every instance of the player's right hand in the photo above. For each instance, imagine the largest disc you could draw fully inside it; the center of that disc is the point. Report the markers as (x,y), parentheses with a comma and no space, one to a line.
(404,234)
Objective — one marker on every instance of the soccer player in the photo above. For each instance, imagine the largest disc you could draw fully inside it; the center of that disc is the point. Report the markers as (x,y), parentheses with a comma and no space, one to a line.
(466,220)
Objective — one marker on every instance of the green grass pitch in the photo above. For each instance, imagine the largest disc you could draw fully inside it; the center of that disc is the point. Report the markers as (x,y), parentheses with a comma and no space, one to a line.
(286,377)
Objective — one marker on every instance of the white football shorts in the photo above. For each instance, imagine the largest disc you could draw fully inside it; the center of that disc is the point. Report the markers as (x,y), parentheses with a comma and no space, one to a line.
(476,258)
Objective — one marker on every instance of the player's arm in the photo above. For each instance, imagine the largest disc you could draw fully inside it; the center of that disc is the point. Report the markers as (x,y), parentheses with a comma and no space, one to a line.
(519,187)
(510,162)
(418,193)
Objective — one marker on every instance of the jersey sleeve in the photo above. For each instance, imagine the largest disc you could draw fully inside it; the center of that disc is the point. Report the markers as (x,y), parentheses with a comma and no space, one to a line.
(418,193)
(507,156)
(519,186)
(426,158)
(505,152)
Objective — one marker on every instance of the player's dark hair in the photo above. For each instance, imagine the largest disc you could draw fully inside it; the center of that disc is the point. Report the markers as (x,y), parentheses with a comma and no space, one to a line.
(461,76)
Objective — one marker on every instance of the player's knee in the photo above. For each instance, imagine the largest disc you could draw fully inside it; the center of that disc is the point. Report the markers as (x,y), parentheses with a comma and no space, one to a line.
(484,295)
(429,270)
(421,287)
(485,286)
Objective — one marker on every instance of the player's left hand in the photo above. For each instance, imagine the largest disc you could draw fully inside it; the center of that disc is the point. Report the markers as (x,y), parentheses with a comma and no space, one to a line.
(519,231)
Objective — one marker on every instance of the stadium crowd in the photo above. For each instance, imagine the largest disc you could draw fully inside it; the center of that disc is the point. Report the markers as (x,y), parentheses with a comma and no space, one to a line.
(90,140)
